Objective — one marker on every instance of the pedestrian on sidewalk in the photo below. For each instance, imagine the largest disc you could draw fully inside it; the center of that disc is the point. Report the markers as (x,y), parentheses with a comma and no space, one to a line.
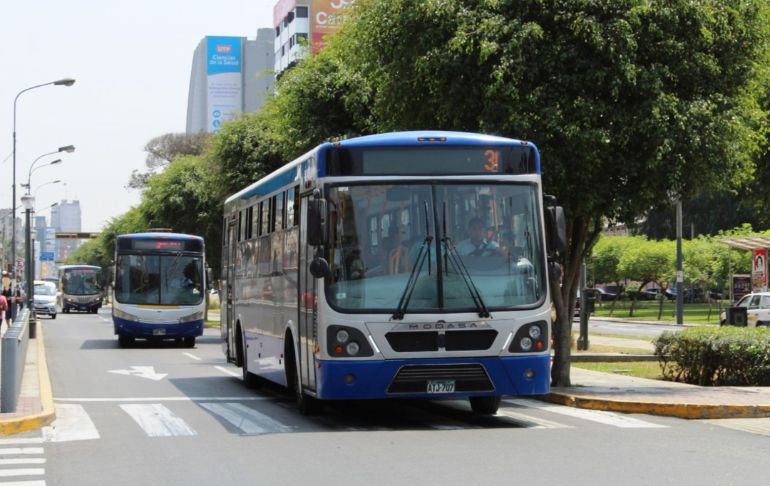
(3,308)
(10,312)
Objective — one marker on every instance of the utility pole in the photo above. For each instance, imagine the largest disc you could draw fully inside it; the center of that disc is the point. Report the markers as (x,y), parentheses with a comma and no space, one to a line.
(679,269)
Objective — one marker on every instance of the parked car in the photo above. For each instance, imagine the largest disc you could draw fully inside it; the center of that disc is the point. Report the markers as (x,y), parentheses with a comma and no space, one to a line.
(45,298)
(757,310)
(603,295)
(642,295)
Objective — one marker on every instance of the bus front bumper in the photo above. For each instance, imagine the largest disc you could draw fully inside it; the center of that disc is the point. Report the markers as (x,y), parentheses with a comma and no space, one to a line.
(413,378)
(169,330)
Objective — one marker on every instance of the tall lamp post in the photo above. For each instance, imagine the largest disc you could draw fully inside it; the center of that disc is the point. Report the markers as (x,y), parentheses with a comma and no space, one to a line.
(60,82)
(29,204)
(28,185)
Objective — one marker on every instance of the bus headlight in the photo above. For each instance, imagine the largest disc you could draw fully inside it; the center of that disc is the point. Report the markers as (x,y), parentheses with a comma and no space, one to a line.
(347,342)
(342,336)
(124,315)
(532,336)
(352,348)
(192,317)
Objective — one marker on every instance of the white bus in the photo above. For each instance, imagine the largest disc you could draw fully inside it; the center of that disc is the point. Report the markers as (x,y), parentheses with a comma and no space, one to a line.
(402,265)
(80,288)
(159,288)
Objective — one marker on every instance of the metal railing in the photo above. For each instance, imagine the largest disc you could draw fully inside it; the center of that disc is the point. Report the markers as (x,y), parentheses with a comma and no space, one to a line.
(14,355)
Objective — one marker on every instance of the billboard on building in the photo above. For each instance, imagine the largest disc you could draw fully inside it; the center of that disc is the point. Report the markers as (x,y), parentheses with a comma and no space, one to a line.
(223,80)
(327,16)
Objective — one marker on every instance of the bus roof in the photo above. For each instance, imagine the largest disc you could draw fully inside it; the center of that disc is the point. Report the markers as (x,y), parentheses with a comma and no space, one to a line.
(78,265)
(291,171)
(159,236)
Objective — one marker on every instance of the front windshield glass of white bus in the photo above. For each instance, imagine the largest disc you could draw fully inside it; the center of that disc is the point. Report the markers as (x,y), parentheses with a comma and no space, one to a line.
(158,279)
(378,231)
(81,282)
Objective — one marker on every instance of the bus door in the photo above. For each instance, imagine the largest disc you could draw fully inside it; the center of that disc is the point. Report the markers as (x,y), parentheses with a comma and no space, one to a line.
(228,317)
(308,324)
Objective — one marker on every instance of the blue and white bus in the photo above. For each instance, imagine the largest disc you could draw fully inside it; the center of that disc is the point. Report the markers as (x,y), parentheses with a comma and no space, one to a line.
(159,287)
(80,288)
(401,265)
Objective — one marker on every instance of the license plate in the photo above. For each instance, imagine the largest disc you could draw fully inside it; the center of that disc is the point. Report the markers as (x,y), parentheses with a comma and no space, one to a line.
(158,332)
(441,386)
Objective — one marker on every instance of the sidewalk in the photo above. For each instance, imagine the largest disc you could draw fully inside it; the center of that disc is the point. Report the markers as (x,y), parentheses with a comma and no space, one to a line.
(35,407)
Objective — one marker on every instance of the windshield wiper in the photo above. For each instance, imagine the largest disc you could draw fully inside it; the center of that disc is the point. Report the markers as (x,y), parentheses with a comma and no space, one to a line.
(457,261)
(406,295)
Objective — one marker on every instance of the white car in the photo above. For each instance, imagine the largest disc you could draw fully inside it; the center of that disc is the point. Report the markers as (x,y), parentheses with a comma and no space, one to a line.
(45,298)
(757,309)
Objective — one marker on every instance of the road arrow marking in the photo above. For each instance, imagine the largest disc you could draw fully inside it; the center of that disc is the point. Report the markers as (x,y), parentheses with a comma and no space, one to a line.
(142,372)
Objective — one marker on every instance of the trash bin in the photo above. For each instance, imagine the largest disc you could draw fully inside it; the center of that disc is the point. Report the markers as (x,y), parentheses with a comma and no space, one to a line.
(737,316)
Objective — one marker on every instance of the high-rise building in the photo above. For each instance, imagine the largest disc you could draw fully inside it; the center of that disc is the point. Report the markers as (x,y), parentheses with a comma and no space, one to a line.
(229,76)
(65,217)
(301,27)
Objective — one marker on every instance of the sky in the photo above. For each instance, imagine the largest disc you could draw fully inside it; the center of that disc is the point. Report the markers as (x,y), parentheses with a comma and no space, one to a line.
(131,61)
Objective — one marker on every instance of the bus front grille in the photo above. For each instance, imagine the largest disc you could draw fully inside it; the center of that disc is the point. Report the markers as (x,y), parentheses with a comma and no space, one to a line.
(410,342)
(470,377)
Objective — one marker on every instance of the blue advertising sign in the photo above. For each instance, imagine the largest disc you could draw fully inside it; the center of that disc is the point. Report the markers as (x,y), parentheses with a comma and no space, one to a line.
(46,256)
(224,80)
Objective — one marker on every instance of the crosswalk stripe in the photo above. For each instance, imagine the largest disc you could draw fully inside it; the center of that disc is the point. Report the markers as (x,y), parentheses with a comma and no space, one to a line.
(599,416)
(72,423)
(21,440)
(246,419)
(14,451)
(17,462)
(532,422)
(7,473)
(157,420)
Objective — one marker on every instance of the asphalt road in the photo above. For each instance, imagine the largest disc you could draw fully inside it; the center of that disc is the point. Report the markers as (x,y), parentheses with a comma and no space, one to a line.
(166,415)
(629,329)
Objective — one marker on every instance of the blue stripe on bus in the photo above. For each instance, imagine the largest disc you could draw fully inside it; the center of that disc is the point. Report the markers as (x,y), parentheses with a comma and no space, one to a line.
(142,330)
(273,184)
(372,378)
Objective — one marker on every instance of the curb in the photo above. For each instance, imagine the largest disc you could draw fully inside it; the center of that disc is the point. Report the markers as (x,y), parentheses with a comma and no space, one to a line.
(678,410)
(48,413)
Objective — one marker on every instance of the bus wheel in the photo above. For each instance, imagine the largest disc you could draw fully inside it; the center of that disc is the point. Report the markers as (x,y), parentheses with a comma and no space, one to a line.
(485,405)
(306,404)
(188,342)
(125,341)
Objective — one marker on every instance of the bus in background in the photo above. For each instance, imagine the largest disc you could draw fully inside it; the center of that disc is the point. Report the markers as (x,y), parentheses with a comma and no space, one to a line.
(401,265)
(159,288)
(80,288)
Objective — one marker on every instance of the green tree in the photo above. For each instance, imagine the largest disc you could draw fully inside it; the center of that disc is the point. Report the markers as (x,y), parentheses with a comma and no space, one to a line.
(630,101)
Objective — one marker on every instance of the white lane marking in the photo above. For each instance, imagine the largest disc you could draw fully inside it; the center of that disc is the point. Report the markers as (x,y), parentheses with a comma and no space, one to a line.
(161,399)
(532,422)
(158,421)
(599,416)
(192,356)
(16,462)
(36,482)
(9,451)
(72,423)
(29,440)
(105,319)
(759,425)
(7,473)
(246,419)
(142,372)
(229,372)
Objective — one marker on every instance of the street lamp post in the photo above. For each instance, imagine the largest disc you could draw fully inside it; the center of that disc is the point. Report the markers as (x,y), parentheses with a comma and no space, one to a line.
(60,82)
(34,194)
(28,185)
(29,203)
(67,148)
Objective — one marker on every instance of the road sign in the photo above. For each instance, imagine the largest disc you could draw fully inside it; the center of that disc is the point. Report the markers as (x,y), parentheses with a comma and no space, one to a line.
(46,256)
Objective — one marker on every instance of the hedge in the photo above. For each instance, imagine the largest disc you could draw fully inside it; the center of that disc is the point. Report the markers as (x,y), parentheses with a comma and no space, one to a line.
(707,356)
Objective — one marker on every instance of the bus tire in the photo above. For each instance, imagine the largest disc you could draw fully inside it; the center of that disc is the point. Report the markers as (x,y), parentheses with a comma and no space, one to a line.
(188,342)
(125,341)
(485,405)
(306,404)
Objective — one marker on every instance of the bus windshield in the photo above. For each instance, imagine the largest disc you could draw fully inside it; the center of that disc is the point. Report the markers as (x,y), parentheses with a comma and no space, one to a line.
(168,279)
(464,246)
(80,282)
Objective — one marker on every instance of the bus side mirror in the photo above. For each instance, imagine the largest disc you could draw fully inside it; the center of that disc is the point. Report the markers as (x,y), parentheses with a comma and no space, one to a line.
(316,222)
(556,230)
